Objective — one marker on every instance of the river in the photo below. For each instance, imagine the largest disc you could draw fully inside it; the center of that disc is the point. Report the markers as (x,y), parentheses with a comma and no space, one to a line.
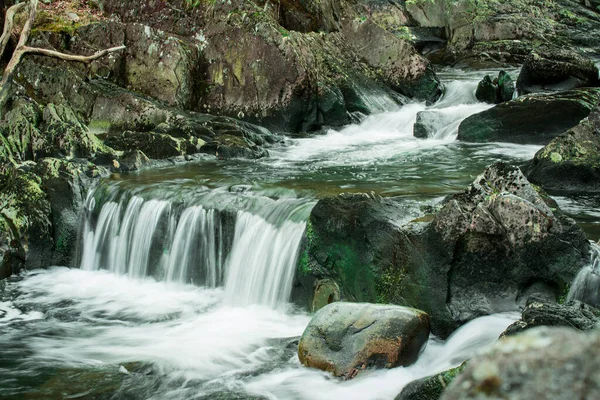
(186,271)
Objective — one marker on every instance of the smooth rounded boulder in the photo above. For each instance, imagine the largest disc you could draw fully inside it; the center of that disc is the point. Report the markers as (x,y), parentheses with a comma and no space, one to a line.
(345,338)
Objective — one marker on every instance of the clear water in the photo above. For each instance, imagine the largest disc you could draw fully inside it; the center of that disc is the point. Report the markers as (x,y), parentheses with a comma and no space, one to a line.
(185,271)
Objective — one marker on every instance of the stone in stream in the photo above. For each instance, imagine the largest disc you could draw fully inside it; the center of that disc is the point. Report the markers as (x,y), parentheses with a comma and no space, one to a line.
(486,91)
(497,91)
(541,363)
(344,338)
(570,162)
(539,311)
(550,70)
(532,119)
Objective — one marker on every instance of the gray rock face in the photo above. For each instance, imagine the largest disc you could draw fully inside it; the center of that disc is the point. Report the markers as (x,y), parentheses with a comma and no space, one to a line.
(549,70)
(344,338)
(533,119)
(542,363)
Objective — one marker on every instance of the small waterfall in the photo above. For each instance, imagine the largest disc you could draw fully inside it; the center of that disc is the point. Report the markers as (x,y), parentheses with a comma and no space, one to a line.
(260,267)
(586,286)
(458,102)
(251,251)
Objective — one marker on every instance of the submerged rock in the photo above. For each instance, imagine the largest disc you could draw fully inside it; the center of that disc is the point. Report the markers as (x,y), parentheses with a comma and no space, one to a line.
(549,70)
(542,363)
(533,119)
(345,338)
(570,162)
(480,254)
(542,312)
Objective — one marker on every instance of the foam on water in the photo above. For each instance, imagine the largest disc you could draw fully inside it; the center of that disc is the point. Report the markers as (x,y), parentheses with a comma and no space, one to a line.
(198,345)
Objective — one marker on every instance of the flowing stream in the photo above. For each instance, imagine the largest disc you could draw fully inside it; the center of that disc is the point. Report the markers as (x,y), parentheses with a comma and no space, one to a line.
(186,271)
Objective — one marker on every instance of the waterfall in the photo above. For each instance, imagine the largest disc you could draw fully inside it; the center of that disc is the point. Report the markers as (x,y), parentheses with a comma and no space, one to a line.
(259,267)
(586,286)
(250,251)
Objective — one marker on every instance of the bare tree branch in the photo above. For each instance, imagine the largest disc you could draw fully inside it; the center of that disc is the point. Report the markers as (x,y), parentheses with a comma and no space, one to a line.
(23,49)
(70,57)
(18,54)
(8,25)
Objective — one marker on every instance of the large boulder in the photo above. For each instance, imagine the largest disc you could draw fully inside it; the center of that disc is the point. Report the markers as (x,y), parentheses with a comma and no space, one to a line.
(533,119)
(541,312)
(542,363)
(548,70)
(345,338)
(571,161)
(481,253)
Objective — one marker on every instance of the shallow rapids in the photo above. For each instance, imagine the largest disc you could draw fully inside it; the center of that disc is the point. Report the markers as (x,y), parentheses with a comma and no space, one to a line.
(156,340)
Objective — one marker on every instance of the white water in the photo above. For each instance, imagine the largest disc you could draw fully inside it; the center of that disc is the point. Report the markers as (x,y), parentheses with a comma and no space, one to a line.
(383,136)
(261,266)
(586,286)
(197,344)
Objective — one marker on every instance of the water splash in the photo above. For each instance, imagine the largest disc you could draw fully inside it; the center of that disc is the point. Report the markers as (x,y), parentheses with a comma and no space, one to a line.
(586,286)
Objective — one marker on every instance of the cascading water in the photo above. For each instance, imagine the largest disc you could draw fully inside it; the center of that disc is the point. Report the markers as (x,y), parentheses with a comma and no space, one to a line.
(586,286)
(186,243)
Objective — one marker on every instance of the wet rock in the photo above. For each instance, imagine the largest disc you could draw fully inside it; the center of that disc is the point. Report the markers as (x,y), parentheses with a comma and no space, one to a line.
(506,87)
(571,161)
(344,338)
(499,90)
(221,66)
(549,70)
(479,254)
(556,363)
(155,145)
(486,91)
(66,184)
(400,65)
(505,237)
(430,388)
(541,312)
(427,13)
(533,119)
